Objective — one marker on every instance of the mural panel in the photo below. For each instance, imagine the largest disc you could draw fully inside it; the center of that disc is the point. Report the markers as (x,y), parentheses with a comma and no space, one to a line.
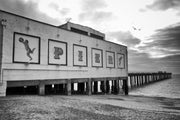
(79,55)
(57,52)
(110,59)
(120,61)
(97,57)
(26,48)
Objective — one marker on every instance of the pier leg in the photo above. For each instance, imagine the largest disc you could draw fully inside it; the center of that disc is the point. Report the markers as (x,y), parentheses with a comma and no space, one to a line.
(137,80)
(68,87)
(125,86)
(130,78)
(117,86)
(105,89)
(89,87)
(103,86)
(95,87)
(41,88)
(145,79)
(72,87)
(81,88)
(107,86)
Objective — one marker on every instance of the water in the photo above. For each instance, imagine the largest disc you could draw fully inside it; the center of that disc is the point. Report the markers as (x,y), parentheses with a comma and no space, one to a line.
(168,88)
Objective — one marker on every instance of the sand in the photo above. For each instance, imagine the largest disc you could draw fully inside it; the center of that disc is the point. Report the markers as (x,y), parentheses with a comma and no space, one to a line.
(83,107)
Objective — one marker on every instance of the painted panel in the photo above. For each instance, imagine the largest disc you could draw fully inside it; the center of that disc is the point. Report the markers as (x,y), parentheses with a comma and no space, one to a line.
(97,57)
(120,61)
(57,52)
(110,59)
(26,48)
(79,55)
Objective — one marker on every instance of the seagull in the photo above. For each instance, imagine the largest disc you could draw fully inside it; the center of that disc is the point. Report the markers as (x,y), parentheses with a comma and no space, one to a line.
(136,28)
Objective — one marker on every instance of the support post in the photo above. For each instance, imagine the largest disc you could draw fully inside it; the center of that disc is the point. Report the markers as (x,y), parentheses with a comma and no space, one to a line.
(125,86)
(130,80)
(68,87)
(137,80)
(89,87)
(81,88)
(72,87)
(105,89)
(107,86)
(116,85)
(95,87)
(41,88)
(3,87)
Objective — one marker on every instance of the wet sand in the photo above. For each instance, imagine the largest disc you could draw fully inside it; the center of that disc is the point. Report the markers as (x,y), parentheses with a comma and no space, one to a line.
(95,107)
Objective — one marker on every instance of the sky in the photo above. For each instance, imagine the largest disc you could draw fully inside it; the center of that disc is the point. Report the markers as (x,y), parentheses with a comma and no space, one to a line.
(149,28)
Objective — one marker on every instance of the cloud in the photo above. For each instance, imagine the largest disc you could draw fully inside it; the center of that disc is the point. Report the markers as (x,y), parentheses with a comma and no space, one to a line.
(57,8)
(164,5)
(140,62)
(28,9)
(125,38)
(165,42)
(93,10)
(170,63)
(98,16)
(93,5)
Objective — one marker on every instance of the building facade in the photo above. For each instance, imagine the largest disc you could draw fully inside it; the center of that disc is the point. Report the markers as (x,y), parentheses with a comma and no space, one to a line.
(34,53)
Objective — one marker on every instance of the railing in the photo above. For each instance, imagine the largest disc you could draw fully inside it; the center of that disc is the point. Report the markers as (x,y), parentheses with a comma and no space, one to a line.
(139,79)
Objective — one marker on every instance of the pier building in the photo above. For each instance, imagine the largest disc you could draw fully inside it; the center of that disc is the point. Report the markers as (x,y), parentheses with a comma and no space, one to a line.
(39,58)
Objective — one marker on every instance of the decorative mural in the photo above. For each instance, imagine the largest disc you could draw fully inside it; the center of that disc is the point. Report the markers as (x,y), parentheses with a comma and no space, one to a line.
(97,57)
(79,55)
(110,59)
(26,48)
(120,60)
(57,52)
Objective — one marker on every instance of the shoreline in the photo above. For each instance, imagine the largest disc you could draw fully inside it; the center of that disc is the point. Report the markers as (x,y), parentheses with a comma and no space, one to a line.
(94,107)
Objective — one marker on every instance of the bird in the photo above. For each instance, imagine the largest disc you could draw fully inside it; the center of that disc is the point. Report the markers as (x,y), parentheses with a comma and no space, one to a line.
(136,28)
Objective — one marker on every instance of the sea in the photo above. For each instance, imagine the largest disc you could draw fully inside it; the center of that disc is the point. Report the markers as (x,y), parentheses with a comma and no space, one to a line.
(169,88)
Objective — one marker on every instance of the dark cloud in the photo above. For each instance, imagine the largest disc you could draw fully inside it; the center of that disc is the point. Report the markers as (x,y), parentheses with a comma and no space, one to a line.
(28,9)
(172,59)
(168,37)
(140,62)
(163,53)
(170,63)
(164,5)
(125,37)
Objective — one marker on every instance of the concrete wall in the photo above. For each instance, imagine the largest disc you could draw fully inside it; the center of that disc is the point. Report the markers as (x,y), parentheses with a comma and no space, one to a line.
(26,71)
(2,83)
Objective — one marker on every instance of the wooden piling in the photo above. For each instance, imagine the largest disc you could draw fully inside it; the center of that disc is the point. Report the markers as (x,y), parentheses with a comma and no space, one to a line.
(140,79)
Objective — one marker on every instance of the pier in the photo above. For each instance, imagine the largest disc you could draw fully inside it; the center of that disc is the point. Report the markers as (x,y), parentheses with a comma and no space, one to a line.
(89,86)
(139,79)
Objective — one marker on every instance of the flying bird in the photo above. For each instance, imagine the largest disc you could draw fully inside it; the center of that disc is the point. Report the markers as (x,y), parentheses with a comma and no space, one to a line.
(134,28)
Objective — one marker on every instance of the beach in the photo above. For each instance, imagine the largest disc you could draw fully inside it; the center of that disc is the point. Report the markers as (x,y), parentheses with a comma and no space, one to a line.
(83,107)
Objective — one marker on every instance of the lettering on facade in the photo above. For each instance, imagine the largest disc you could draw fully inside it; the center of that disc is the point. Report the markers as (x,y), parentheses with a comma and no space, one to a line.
(57,52)
(110,59)
(120,59)
(97,58)
(80,55)
(27,48)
